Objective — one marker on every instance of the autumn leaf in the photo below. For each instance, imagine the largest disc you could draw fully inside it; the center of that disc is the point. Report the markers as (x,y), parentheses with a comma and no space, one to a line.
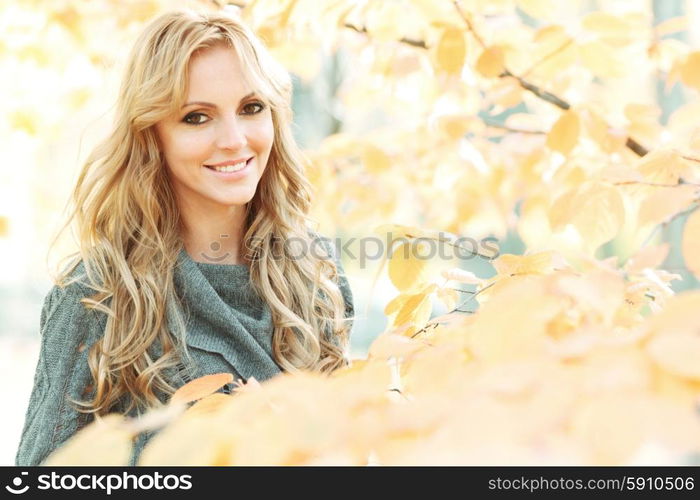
(375,160)
(596,210)
(200,387)
(491,62)
(564,133)
(408,265)
(665,203)
(450,51)
(105,441)
(690,70)
(537,263)
(679,354)
(691,243)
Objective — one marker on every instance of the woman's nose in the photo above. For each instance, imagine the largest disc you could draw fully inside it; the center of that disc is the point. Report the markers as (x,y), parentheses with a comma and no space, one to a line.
(230,134)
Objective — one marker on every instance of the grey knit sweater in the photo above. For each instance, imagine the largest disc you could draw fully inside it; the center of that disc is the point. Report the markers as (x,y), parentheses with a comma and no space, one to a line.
(229,329)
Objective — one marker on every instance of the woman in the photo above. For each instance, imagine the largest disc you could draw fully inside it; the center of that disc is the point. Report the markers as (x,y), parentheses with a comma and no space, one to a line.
(196,255)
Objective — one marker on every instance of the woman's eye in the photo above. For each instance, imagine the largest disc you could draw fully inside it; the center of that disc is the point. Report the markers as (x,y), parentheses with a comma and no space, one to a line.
(254,108)
(195,118)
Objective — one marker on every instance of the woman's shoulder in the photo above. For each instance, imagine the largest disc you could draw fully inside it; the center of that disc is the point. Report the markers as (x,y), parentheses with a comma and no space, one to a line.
(63,308)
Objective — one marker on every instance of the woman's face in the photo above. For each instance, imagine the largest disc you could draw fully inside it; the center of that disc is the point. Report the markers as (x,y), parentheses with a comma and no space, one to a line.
(223,123)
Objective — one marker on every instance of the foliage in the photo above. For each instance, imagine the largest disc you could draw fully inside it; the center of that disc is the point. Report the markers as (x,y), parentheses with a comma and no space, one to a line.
(526,116)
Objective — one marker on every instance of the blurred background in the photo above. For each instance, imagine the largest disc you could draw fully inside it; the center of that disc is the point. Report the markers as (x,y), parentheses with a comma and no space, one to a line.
(365,108)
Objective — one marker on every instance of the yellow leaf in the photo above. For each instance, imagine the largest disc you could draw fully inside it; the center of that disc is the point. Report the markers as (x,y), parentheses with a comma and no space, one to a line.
(375,160)
(27,121)
(491,62)
(200,387)
(456,125)
(564,133)
(690,70)
(691,243)
(449,297)
(596,210)
(396,304)
(408,266)
(664,203)
(4,226)
(462,276)
(70,18)
(678,354)
(416,310)
(663,166)
(613,29)
(538,8)
(611,427)
(105,441)
(251,385)
(537,263)
(450,51)
(506,92)
(191,441)
(389,345)
(672,25)
(601,60)
(301,58)
(647,257)
(389,21)
(644,122)
(680,315)
(601,214)
(208,405)
(599,131)
(398,231)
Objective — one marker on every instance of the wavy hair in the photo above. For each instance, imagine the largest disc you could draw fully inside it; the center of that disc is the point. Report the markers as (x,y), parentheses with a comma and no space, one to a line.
(129,225)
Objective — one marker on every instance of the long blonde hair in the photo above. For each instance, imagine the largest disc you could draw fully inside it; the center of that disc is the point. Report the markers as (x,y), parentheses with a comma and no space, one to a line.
(129,226)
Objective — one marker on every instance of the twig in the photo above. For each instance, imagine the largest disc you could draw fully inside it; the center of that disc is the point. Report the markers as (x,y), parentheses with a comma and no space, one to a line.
(408,41)
(637,148)
(681,182)
(538,91)
(445,240)
(469,24)
(491,124)
(456,309)
(530,87)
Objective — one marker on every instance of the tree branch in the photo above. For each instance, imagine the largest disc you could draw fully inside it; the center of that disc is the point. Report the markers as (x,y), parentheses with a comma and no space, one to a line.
(408,41)
(530,87)
(539,92)
(456,309)
(680,182)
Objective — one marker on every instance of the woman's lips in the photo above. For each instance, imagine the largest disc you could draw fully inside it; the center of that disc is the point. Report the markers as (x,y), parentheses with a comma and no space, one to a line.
(232,175)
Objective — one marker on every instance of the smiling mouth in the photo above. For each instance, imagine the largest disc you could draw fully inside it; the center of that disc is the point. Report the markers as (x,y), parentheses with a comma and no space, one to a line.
(230,168)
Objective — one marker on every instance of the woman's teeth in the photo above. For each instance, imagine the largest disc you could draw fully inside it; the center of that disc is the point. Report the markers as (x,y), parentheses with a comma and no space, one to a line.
(230,168)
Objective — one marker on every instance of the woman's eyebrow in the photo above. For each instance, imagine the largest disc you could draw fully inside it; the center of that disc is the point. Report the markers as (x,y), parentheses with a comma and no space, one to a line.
(211,105)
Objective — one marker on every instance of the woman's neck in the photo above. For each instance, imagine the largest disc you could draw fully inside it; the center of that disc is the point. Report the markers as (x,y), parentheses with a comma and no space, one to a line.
(215,238)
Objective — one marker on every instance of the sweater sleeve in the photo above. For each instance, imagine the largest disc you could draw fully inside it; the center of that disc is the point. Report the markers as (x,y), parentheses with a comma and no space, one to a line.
(67,329)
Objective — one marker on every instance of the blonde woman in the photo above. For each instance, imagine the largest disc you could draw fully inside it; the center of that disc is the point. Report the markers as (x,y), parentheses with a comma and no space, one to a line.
(196,253)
